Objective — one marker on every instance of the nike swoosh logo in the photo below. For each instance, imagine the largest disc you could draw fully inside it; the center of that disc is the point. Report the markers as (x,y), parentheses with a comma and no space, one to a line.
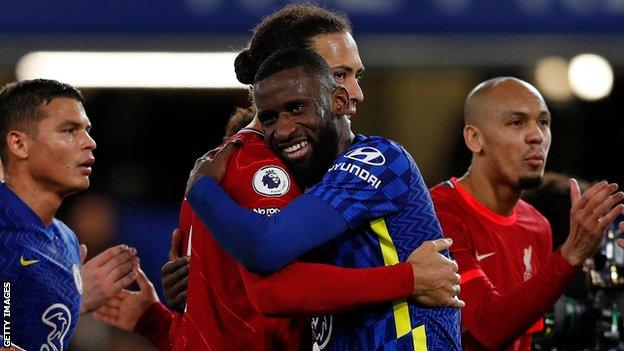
(484,256)
(24,262)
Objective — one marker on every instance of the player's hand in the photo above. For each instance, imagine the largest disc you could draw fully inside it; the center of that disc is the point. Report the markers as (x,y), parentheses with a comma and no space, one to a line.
(175,282)
(126,308)
(106,274)
(590,215)
(436,282)
(212,164)
(175,250)
(620,242)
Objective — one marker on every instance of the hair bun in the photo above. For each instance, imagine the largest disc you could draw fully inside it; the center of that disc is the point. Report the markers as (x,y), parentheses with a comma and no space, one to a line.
(245,67)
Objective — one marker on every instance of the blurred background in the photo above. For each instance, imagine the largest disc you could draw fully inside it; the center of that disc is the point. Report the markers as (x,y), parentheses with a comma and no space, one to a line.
(159,85)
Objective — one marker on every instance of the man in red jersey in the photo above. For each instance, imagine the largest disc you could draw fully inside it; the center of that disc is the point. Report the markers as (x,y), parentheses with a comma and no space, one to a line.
(509,276)
(226,304)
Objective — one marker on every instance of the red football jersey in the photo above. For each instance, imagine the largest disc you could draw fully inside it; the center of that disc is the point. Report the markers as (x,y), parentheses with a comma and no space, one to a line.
(219,315)
(509,276)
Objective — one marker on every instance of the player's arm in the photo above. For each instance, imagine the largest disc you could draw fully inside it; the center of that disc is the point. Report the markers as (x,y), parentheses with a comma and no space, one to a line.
(311,288)
(493,318)
(261,243)
(302,288)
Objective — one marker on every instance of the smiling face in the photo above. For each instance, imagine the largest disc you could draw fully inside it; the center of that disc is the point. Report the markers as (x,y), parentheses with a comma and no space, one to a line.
(298,120)
(514,129)
(60,151)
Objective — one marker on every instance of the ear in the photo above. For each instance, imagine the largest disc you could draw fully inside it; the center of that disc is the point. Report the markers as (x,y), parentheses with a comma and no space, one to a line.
(17,144)
(473,138)
(340,101)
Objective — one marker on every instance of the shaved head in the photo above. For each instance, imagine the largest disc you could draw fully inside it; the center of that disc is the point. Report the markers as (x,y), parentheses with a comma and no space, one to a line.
(507,129)
(484,96)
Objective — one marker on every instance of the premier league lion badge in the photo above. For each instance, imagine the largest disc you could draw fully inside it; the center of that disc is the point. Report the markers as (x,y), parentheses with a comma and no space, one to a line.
(271,181)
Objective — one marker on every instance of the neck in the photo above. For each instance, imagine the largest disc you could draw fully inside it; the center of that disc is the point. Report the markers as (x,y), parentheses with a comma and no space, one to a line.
(255,125)
(345,135)
(42,201)
(497,197)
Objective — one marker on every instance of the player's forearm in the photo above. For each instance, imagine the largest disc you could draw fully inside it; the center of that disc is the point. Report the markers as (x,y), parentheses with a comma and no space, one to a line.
(312,289)
(155,325)
(512,314)
(260,243)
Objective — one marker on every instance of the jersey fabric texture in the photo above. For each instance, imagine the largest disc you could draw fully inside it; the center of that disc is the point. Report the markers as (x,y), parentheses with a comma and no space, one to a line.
(509,276)
(40,269)
(378,189)
(219,315)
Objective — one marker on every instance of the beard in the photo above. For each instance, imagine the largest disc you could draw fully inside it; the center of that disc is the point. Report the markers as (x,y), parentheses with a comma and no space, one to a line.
(324,152)
(526,183)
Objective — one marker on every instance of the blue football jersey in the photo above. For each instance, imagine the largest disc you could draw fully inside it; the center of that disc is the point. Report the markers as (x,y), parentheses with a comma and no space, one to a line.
(40,274)
(379,190)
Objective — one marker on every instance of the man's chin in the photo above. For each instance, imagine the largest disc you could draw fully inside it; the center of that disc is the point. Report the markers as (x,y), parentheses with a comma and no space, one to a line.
(530,182)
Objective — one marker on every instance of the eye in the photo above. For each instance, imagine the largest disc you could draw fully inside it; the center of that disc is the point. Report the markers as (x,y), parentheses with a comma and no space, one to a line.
(516,123)
(70,130)
(295,107)
(544,122)
(340,75)
(359,76)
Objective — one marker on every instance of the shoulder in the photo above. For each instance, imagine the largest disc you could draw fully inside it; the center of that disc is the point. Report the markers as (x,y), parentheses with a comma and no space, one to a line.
(444,195)
(530,217)
(376,155)
(376,150)
(253,151)
(254,172)
(66,232)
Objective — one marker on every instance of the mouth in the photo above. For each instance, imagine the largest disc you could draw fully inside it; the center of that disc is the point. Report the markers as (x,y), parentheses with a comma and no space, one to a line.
(295,150)
(85,166)
(535,160)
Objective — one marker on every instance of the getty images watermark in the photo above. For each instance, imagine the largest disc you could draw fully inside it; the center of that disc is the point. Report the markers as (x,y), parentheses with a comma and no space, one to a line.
(6,314)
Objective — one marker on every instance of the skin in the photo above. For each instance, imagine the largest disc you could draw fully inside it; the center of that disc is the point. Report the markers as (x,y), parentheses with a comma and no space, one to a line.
(509,136)
(340,51)
(53,161)
(293,114)
(508,132)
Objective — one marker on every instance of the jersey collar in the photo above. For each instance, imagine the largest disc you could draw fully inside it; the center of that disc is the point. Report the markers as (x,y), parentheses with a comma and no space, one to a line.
(479,207)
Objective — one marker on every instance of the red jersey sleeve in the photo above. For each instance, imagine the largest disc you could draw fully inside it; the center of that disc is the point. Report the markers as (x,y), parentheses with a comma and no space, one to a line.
(493,318)
(258,180)
(155,324)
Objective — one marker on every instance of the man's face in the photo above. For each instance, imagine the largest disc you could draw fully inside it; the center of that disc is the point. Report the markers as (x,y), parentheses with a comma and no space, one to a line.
(340,52)
(298,122)
(61,153)
(516,134)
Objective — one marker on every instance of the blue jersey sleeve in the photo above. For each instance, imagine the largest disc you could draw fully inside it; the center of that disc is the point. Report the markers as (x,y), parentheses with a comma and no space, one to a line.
(260,243)
(369,181)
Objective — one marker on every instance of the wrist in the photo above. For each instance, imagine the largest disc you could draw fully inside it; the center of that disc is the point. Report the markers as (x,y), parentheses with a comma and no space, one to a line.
(570,256)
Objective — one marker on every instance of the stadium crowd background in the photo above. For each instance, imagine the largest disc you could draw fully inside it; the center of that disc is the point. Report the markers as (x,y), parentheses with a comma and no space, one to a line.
(421,59)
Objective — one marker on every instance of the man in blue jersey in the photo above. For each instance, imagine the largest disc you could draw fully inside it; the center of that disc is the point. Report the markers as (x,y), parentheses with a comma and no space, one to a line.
(366,205)
(47,155)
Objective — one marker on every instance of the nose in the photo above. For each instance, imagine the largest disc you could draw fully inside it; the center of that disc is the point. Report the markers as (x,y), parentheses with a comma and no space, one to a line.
(355,94)
(536,135)
(89,143)
(285,127)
